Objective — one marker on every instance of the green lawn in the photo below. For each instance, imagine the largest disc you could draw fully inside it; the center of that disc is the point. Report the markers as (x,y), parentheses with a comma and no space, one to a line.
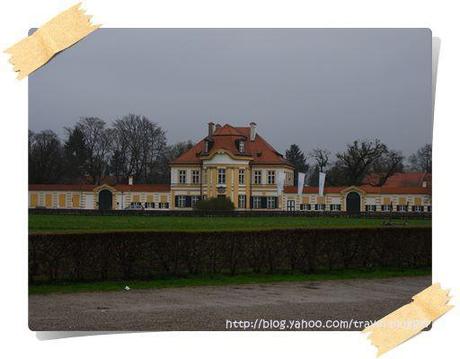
(222,280)
(44,223)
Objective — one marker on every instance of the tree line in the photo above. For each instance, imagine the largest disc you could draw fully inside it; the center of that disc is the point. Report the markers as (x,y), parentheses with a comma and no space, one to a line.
(359,160)
(91,150)
(135,146)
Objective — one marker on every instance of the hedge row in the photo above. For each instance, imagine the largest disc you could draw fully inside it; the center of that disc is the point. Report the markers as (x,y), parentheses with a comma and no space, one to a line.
(216,213)
(149,255)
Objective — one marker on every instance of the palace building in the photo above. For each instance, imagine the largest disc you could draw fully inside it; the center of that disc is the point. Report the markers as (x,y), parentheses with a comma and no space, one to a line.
(237,163)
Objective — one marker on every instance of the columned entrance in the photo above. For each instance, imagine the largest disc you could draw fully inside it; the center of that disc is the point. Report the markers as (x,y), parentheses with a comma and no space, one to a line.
(353,203)
(105,200)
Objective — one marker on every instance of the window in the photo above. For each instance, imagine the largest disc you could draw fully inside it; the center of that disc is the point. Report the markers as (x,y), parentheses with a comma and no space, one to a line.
(271,202)
(241,201)
(335,207)
(163,205)
(428,208)
(256,202)
(241,177)
(402,208)
(371,208)
(320,207)
(305,207)
(149,205)
(257,177)
(195,176)
(206,146)
(182,176)
(387,208)
(271,177)
(241,146)
(221,176)
(180,201)
(194,200)
(291,205)
(417,208)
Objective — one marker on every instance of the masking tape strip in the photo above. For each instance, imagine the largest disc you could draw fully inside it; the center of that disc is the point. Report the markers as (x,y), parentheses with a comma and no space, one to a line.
(410,319)
(59,33)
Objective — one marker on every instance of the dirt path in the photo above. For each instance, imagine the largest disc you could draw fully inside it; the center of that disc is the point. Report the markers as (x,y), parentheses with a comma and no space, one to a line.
(211,308)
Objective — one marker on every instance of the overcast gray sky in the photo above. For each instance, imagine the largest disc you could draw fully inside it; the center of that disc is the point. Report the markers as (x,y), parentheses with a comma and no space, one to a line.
(313,87)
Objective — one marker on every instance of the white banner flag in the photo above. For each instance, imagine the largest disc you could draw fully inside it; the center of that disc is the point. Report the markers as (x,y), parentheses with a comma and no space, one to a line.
(280,177)
(300,183)
(322,180)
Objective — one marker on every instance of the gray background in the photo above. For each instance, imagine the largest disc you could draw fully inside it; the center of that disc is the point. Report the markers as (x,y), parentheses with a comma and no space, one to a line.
(313,87)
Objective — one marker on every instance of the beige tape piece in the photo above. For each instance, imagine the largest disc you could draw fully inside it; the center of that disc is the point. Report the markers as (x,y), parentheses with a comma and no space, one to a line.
(407,321)
(59,33)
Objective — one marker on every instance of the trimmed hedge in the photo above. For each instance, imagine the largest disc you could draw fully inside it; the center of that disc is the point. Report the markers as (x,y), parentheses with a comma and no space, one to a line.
(215,204)
(231,213)
(149,255)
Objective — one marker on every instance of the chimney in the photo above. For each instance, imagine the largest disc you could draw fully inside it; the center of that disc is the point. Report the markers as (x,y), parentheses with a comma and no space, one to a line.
(252,132)
(210,129)
(130,180)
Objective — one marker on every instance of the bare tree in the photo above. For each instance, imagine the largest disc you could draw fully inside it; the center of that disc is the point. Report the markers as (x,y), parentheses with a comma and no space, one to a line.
(137,148)
(387,165)
(355,162)
(421,161)
(170,154)
(98,143)
(321,158)
(45,157)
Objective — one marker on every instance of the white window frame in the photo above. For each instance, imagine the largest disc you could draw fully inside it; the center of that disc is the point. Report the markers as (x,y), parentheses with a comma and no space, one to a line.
(221,176)
(182,176)
(320,207)
(195,176)
(181,201)
(242,201)
(271,177)
(257,202)
(241,175)
(335,207)
(257,177)
(241,146)
(387,207)
(290,205)
(194,200)
(271,202)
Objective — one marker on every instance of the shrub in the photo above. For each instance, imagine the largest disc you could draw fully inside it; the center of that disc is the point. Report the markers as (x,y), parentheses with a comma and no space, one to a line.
(139,255)
(215,204)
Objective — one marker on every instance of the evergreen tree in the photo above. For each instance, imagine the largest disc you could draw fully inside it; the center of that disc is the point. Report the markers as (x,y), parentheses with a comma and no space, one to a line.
(297,158)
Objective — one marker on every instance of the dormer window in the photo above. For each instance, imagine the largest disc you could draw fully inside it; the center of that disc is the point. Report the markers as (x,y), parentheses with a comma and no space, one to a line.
(241,146)
(206,146)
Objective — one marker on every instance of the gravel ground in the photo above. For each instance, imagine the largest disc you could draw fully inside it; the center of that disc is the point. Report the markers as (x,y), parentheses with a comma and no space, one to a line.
(212,308)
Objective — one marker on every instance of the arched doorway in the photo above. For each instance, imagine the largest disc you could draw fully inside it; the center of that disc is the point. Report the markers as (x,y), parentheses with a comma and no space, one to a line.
(353,203)
(105,200)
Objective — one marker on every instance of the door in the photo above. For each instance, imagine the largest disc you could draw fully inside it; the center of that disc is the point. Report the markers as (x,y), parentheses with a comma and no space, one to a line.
(105,200)
(353,203)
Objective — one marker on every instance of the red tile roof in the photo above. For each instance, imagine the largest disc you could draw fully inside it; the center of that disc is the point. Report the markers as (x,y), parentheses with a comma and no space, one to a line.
(366,188)
(225,138)
(61,187)
(143,187)
(313,190)
(410,179)
(91,187)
